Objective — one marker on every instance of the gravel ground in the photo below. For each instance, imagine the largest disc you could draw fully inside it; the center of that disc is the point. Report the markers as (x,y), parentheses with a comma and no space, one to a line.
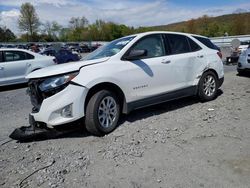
(183,143)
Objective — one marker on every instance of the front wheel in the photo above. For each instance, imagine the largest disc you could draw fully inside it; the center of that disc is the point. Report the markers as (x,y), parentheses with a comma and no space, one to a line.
(208,86)
(102,113)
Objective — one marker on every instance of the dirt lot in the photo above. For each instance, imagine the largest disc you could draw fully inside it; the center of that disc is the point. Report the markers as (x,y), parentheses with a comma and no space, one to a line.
(183,143)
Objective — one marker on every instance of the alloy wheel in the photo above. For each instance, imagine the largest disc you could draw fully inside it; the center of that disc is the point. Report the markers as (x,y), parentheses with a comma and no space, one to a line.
(209,85)
(107,112)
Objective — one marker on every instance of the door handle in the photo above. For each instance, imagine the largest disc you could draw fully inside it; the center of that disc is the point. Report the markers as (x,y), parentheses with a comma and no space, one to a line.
(1,68)
(28,65)
(200,56)
(166,61)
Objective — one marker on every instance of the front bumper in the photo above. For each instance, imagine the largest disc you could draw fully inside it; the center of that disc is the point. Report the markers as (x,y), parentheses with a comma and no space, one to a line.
(245,65)
(71,98)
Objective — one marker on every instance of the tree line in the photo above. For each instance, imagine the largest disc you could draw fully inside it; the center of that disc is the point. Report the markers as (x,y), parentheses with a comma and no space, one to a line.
(79,28)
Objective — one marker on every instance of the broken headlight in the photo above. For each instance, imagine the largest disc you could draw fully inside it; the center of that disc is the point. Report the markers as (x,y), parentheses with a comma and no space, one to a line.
(57,81)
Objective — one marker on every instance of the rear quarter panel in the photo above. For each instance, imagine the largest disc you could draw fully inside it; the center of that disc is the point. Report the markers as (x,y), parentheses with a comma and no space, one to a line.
(40,62)
(214,62)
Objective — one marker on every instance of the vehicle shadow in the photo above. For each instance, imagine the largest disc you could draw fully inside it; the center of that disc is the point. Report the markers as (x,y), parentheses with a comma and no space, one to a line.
(12,87)
(161,108)
(77,129)
(247,75)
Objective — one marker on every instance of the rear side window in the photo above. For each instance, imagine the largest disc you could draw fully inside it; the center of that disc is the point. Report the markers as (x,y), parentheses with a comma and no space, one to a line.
(193,45)
(14,56)
(206,42)
(178,44)
(29,56)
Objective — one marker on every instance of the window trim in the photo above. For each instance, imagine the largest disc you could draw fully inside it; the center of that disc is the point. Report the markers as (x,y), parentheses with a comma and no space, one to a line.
(162,40)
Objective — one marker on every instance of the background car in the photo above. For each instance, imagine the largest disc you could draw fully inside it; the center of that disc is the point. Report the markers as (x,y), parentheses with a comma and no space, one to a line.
(15,64)
(244,62)
(62,56)
(243,46)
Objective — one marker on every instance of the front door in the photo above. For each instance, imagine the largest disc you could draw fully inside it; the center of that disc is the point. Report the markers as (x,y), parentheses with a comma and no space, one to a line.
(149,76)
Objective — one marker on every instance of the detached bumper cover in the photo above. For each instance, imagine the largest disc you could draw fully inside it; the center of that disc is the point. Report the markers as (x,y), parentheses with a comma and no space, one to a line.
(51,107)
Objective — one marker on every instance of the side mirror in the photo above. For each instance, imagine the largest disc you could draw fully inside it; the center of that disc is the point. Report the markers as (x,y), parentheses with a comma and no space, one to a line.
(135,54)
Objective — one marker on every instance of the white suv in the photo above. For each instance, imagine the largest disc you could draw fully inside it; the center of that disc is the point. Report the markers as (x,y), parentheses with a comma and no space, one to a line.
(128,73)
(244,62)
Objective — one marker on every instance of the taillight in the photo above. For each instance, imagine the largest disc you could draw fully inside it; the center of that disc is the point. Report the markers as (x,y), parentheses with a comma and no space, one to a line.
(219,54)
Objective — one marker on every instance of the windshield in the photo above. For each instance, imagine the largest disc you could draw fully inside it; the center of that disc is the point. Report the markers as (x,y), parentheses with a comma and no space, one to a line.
(109,49)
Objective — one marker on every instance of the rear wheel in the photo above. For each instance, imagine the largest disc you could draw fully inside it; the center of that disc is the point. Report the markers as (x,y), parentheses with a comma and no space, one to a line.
(102,113)
(208,86)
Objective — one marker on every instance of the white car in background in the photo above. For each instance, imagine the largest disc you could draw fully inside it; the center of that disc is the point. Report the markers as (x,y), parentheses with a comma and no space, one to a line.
(15,64)
(244,62)
(128,73)
(243,46)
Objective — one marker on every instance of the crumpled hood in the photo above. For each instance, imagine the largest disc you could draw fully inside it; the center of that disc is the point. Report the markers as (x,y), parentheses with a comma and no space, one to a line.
(63,68)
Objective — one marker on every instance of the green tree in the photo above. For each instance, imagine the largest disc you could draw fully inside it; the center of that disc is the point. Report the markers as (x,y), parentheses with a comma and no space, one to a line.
(52,29)
(28,20)
(203,23)
(239,25)
(6,35)
(191,27)
(213,30)
(78,25)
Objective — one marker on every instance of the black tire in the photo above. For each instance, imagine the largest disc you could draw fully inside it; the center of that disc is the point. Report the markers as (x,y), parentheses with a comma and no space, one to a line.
(202,92)
(92,121)
(241,72)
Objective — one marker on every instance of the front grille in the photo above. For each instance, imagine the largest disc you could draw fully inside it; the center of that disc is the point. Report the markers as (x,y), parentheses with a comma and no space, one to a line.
(36,96)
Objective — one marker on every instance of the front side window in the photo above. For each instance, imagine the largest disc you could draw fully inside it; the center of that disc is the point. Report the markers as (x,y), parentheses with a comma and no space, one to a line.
(153,44)
(14,56)
(178,44)
(109,49)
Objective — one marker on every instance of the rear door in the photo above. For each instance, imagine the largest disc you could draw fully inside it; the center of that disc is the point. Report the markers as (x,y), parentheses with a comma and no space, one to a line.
(187,60)
(15,66)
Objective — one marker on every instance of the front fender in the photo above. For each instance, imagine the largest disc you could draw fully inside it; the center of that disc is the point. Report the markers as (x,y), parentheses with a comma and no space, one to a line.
(93,75)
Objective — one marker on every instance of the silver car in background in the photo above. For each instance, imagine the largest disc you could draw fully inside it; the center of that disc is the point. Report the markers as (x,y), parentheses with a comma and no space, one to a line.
(15,64)
(244,62)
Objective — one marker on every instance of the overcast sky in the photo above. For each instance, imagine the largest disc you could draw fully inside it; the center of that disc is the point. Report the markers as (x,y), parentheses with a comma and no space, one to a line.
(129,12)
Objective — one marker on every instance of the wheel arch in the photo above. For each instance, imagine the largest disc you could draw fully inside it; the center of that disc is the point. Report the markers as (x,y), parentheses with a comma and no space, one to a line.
(211,70)
(111,87)
(206,70)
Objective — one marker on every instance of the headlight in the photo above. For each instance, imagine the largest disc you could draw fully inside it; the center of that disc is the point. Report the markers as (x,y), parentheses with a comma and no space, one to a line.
(57,81)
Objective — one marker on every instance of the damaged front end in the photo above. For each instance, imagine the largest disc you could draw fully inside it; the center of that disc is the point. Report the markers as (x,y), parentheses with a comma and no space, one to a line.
(39,90)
